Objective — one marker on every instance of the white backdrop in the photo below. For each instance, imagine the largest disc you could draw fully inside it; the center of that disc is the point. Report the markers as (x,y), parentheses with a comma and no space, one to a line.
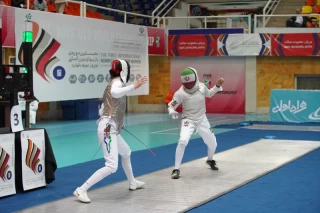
(72,55)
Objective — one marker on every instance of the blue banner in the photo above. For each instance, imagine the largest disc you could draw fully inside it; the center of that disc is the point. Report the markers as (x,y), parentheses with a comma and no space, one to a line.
(296,106)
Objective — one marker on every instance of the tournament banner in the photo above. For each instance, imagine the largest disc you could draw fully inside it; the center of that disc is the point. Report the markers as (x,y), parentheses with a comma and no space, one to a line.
(295,106)
(232,99)
(244,45)
(72,55)
(196,42)
(156,41)
(7,15)
(295,44)
(7,165)
(33,159)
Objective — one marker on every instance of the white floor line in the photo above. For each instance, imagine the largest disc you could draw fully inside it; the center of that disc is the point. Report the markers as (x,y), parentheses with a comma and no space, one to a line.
(166,130)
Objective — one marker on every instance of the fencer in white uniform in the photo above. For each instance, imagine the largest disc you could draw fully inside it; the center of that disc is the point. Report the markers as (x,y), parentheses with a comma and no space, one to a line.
(192,96)
(110,125)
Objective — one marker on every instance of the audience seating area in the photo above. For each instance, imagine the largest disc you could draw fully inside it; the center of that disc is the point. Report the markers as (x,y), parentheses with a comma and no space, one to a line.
(145,7)
(312,7)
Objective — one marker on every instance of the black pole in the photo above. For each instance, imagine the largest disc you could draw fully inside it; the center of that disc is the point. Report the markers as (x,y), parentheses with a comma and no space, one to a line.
(1,61)
(27,55)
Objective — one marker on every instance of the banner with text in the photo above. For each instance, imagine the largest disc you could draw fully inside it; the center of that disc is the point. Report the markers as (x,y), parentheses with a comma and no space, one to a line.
(196,42)
(72,55)
(33,159)
(296,106)
(157,41)
(296,44)
(7,165)
(232,69)
(188,43)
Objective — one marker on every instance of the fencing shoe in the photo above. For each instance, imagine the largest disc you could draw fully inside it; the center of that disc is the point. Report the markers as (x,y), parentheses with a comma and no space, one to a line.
(175,174)
(81,195)
(136,185)
(212,164)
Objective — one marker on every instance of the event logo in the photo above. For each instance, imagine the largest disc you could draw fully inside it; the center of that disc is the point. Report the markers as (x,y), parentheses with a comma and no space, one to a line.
(158,41)
(5,173)
(82,78)
(100,78)
(73,79)
(59,73)
(138,77)
(107,77)
(43,50)
(292,108)
(91,78)
(315,115)
(131,77)
(32,157)
(141,30)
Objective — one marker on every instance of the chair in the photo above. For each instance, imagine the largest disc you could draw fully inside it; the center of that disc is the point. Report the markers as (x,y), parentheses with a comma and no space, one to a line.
(149,6)
(137,2)
(306,10)
(316,9)
(139,7)
(310,2)
(314,17)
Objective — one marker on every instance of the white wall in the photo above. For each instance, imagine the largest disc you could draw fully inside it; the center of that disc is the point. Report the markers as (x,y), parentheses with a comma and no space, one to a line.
(251,85)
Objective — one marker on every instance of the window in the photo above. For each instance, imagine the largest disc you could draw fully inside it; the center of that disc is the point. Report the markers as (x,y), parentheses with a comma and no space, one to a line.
(307,82)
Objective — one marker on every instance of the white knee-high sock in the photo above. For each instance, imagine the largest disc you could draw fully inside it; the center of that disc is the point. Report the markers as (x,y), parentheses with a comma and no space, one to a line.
(95,178)
(212,146)
(126,165)
(179,155)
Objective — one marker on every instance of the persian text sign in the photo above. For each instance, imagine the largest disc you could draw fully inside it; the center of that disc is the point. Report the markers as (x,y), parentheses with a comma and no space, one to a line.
(297,44)
(295,106)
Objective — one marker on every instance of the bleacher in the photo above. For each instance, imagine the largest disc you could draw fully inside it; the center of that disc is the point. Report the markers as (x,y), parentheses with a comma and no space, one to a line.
(145,7)
(312,7)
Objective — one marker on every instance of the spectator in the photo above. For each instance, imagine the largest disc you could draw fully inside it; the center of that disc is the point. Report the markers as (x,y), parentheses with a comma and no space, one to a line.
(18,3)
(40,5)
(298,21)
(60,5)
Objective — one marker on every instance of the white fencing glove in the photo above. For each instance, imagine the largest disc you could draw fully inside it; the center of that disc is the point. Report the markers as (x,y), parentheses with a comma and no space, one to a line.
(101,109)
(174,114)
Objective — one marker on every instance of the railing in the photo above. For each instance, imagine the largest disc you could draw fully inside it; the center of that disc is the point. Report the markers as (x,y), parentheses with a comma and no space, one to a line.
(114,10)
(206,19)
(159,6)
(269,9)
(286,15)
